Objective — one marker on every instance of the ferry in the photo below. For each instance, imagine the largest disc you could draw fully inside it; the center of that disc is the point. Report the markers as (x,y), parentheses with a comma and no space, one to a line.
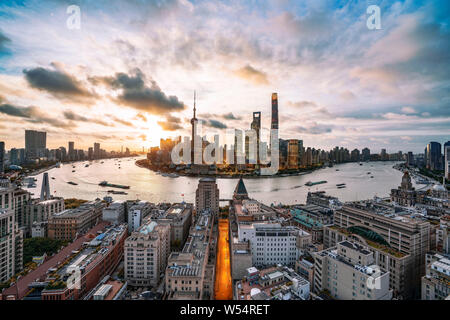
(106,184)
(309,183)
(73,170)
(341,187)
(117,192)
(72,183)
(340,184)
(86,166)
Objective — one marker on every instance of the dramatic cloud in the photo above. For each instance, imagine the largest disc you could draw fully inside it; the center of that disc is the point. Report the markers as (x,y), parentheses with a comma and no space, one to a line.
(75,117)
(32,114)
(136,94)
(252,75)
(170,123)
(57,82)
(215,124)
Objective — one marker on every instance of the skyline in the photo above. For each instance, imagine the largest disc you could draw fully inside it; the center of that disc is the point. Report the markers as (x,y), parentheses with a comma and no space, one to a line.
(131,82)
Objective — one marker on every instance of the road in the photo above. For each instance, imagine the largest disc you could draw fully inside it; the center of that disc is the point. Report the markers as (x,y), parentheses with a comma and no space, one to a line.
(222,288)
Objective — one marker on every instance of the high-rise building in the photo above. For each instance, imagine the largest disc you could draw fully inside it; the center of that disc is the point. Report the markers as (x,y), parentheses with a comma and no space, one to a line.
(11,244)
(434,156)
(96,150)
(71,150)
(207,196)
(274,123)
(365,154)
(35,143)
(256,125)
(410,159)
(91,153)
(447,162)
(2,156)
(355,155)
(292,162)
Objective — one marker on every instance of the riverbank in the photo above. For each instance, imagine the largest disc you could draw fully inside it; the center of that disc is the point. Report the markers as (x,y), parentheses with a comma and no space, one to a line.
(143,163)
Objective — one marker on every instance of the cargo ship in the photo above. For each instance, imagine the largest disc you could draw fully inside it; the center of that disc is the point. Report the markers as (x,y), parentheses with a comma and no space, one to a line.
(309,183)
(106,184)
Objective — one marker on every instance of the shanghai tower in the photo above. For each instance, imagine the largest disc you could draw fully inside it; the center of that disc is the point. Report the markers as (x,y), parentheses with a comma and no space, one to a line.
(274,111)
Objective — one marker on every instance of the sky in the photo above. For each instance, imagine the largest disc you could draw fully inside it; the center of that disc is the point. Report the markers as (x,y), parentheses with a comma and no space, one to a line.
(127,76)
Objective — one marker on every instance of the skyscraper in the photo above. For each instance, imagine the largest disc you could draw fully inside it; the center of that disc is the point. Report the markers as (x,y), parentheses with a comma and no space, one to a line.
(96,150)
(292,154)
(434,156)
(71,150)
(274,111)
(447,160)
(256,125)
(35,143)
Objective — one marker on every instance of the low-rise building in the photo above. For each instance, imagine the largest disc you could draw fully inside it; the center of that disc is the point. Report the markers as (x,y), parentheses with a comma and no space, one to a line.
(68,224)
(348,272)
(272,243)
(115,212)
(436,282)
(274,283)
(186,275)
(146,254)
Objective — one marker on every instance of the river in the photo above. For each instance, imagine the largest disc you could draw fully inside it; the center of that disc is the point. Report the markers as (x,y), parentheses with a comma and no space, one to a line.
(147,185)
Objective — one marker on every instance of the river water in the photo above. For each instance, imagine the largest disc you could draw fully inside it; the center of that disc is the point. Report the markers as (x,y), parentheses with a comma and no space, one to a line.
(147,185)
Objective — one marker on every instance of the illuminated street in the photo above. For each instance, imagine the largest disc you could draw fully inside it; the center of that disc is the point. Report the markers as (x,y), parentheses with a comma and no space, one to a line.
(222,288)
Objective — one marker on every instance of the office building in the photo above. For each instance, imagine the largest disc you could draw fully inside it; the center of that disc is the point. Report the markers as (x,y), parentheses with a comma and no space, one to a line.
(137,211)
(146,254)
(70,223)
(292,162)
(97,259)
(256,125)
(188,275)
(447,162)
(434,156)
(72,155)
(115,212)
(398,238)
(41,211)
(273,283)
(207,196)
(179,216)
(348,272)
(436,282)
(97,152)
(272,243)
(35,144)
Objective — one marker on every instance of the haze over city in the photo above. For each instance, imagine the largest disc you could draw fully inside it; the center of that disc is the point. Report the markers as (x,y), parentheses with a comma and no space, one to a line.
(128,74)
